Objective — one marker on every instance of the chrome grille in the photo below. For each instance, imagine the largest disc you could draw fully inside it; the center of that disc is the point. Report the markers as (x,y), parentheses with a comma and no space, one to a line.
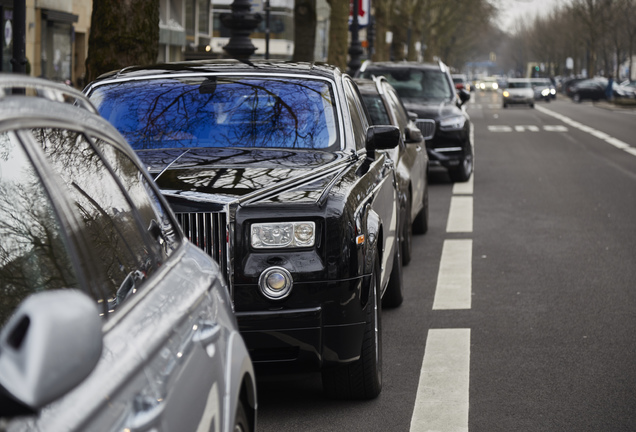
(427,127)
(209,232)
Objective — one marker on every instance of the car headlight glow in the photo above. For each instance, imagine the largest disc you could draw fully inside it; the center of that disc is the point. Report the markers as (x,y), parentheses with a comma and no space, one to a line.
(452,123)
(495,86)
(545,92)
(283,235)
(505,93)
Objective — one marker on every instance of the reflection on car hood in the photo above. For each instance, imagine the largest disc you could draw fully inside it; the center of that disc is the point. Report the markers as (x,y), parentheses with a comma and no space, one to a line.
(226,175)
(432,110)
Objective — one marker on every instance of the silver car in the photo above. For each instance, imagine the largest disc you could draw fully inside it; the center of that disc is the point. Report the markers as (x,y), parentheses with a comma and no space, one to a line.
(518,91)
(111,320)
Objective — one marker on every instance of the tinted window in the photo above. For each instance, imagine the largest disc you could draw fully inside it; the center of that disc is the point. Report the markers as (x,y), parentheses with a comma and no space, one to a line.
(358,115)
(411,83)
(33,255)
(221,112)
(519,84)
(125,253)
(376,109)
(400,112)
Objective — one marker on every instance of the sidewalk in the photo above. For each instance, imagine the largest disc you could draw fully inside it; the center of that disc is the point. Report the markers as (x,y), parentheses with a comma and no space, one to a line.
(614,107)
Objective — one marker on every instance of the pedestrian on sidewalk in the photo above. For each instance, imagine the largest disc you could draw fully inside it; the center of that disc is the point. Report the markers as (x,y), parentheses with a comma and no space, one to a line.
(609,92)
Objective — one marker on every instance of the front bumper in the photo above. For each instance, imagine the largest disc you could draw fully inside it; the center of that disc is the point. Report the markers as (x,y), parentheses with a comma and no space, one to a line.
(448,148)
(320,324)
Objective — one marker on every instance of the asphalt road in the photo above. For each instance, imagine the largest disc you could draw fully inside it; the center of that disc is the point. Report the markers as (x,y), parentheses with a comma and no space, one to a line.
(520,301)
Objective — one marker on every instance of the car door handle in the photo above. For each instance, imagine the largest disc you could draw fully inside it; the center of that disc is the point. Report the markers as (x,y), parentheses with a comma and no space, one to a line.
(146,414)
(207,333)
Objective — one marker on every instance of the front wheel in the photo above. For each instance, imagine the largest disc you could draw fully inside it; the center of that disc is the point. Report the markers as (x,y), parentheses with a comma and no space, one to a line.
(361,379)
(241,423)
(462,172)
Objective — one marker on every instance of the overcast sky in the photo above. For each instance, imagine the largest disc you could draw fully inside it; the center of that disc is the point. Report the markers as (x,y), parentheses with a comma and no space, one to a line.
(513,10)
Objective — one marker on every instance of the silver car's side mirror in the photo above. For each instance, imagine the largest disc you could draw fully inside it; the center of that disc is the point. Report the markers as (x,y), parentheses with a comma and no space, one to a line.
(51,343)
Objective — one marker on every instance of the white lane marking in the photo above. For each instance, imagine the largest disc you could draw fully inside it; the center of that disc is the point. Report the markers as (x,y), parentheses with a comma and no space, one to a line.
(530,128)
(598,134)
(499,128)
(460,216)
(555,128)
(441,403)
(464,188)
(454,280)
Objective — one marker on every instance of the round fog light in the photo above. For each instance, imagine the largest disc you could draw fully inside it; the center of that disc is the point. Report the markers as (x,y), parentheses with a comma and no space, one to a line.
(275,283)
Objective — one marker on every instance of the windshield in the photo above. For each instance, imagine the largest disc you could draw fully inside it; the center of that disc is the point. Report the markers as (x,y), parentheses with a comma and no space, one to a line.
(221,112)
(519,84)
(413,83)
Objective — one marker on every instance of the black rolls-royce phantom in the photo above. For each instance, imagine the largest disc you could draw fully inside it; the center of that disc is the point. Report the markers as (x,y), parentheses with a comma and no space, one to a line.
(272,169)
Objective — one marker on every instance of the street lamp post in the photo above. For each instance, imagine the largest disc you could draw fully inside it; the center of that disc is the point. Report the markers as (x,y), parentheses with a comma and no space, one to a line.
(241,22)
(355,50)
(19,60)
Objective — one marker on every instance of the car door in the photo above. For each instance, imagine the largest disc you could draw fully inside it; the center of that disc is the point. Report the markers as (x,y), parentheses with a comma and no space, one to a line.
(415,153)
(162,361)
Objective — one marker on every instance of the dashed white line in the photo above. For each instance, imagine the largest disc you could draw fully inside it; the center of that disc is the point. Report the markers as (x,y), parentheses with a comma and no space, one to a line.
(464,188)
(454,280)
(460,216)
(442,402)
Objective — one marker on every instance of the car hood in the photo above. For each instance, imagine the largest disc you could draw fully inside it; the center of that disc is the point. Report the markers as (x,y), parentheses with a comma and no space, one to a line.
(432,110)
(243,175)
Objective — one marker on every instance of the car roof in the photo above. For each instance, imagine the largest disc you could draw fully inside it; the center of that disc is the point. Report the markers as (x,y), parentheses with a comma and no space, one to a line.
(401,65)
(222,66)
(39,108)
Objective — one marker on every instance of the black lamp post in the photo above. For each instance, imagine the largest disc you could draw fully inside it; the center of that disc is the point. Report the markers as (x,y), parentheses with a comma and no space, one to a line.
(355,50)
(19,60)
(241,23)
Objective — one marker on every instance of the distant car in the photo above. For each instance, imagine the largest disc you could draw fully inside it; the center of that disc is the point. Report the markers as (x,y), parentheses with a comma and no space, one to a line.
(518,91)
(543,89)
(111,320)
(594,89)
(274,169)
(461,82)
(488,84)
(427,89)
(567,85)
(385,108)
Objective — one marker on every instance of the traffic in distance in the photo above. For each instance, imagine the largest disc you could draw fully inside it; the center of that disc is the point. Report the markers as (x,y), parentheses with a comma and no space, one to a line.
(234,222)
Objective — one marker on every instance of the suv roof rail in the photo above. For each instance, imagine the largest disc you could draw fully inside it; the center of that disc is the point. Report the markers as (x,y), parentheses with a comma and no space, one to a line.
(14,85)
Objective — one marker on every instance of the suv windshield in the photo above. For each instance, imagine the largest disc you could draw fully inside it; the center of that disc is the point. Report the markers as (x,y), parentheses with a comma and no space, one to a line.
(412,83)
(221,112)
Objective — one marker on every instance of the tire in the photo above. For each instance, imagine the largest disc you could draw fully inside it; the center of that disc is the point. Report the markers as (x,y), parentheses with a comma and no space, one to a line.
(462,172)
(361,379)
(406,238)
(241,422)
(531,105)
(505,106)
(393,294)
(420,224)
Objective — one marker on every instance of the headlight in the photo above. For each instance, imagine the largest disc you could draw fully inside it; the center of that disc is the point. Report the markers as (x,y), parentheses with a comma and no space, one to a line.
(283,235)
(452,123)
(495,86)
(545,92)
(505,93)
(552,91)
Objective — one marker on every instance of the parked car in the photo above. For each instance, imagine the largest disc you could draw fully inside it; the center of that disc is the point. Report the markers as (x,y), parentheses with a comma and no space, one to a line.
(568,84)
(427,90)
(518,91)
(543,89)
(411,161)
(461,82)
(274,169)
(594,89)
(111,319)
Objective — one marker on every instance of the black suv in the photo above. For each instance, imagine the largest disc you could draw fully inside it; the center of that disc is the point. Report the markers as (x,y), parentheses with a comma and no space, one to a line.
(427,89)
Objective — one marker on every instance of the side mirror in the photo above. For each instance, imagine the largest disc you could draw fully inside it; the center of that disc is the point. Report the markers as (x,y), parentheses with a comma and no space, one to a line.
(464,96)
(413,134)
(51,344)
(382,138)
